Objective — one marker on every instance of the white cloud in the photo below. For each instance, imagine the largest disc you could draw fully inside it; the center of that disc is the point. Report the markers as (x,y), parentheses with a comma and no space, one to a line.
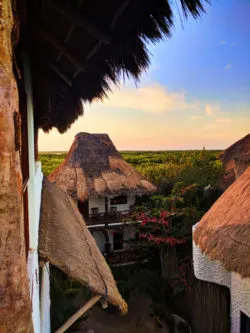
(154,99)
(211,109)
(208,109)
(223,42)
(228,66)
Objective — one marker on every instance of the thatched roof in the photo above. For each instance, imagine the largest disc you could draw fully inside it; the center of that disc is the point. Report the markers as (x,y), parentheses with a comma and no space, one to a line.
(241,163)
(65,241)
(224,231)
(235,159)
(94,167)
(238,149)
(79,48)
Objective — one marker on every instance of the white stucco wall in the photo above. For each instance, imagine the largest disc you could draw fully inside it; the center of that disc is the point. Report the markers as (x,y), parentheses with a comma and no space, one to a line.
(100,203)
(34,201)
(45,298)
(128,233)
(97,202)
(213,271)
(124,207)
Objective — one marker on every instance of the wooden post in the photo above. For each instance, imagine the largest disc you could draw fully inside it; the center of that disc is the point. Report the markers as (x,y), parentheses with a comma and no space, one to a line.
(79,313)
(15,307)
(106,216)
(106,212)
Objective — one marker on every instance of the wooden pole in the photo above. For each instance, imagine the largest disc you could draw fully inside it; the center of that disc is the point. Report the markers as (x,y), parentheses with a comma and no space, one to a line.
(79,313)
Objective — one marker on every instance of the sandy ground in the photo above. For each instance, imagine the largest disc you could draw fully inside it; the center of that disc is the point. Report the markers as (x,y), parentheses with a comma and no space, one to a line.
(139,319)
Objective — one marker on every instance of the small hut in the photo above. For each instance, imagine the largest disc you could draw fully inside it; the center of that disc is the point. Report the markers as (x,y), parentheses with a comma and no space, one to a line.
(221,248)
(104,186)
(235,159)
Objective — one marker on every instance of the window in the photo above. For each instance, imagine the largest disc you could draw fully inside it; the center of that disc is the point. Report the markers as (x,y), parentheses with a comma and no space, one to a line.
(119,200)
(244,323)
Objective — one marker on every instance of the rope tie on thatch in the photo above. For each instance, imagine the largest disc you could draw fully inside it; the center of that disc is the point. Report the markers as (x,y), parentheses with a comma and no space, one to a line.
(91,253)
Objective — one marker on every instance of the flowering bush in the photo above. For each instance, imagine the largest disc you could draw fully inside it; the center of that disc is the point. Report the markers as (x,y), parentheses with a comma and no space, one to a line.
(157,230)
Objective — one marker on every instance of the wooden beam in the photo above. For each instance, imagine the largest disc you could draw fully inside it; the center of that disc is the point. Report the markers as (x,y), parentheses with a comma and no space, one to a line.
(79,313)
(62,48)
(98,46)
(63,76)
(81,21)
(118,13)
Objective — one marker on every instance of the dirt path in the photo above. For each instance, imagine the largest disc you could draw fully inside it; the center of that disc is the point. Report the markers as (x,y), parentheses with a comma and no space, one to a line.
(140,319)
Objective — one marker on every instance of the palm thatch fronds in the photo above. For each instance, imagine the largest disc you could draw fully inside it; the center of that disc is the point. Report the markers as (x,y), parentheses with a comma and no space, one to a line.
(235,159)
(93,167)
(238,148)
(64,240)
(80,48)
(224,231)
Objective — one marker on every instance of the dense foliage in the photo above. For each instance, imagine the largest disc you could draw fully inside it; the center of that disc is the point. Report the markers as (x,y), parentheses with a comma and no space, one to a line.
(187,187)
(163,168)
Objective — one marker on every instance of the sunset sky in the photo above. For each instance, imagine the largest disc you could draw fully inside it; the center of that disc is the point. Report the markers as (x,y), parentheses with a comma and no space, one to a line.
(196,92)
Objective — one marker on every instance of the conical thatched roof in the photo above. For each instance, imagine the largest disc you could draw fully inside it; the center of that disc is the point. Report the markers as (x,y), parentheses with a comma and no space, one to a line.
(94,167)
(224,231)
(65,241)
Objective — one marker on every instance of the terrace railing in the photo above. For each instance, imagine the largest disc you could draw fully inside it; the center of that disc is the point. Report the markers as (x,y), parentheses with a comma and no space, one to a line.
(107,218)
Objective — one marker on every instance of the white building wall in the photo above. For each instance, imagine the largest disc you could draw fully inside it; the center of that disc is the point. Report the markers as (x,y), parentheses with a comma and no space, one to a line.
(100,203)
(97,202)
(34,203)
(34,200)
(128,234)
(45,298)
(124,207)
(213,271)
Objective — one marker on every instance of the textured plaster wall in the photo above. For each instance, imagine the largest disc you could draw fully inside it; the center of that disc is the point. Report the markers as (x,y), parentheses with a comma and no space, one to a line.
(213,271)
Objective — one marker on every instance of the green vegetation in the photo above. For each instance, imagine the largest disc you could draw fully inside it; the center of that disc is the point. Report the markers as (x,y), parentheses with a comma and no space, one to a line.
(50,161)
(181,178)
(163,168)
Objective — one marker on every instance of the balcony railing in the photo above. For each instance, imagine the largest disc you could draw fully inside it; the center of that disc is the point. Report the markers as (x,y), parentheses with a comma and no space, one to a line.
(107,218)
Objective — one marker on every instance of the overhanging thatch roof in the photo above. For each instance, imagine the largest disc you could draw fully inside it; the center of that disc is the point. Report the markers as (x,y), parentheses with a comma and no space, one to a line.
(80,47)
(224,231)
(94,167)
(65,241)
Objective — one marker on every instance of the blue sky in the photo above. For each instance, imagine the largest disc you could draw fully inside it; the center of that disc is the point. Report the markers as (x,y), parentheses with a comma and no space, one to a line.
(196,92)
